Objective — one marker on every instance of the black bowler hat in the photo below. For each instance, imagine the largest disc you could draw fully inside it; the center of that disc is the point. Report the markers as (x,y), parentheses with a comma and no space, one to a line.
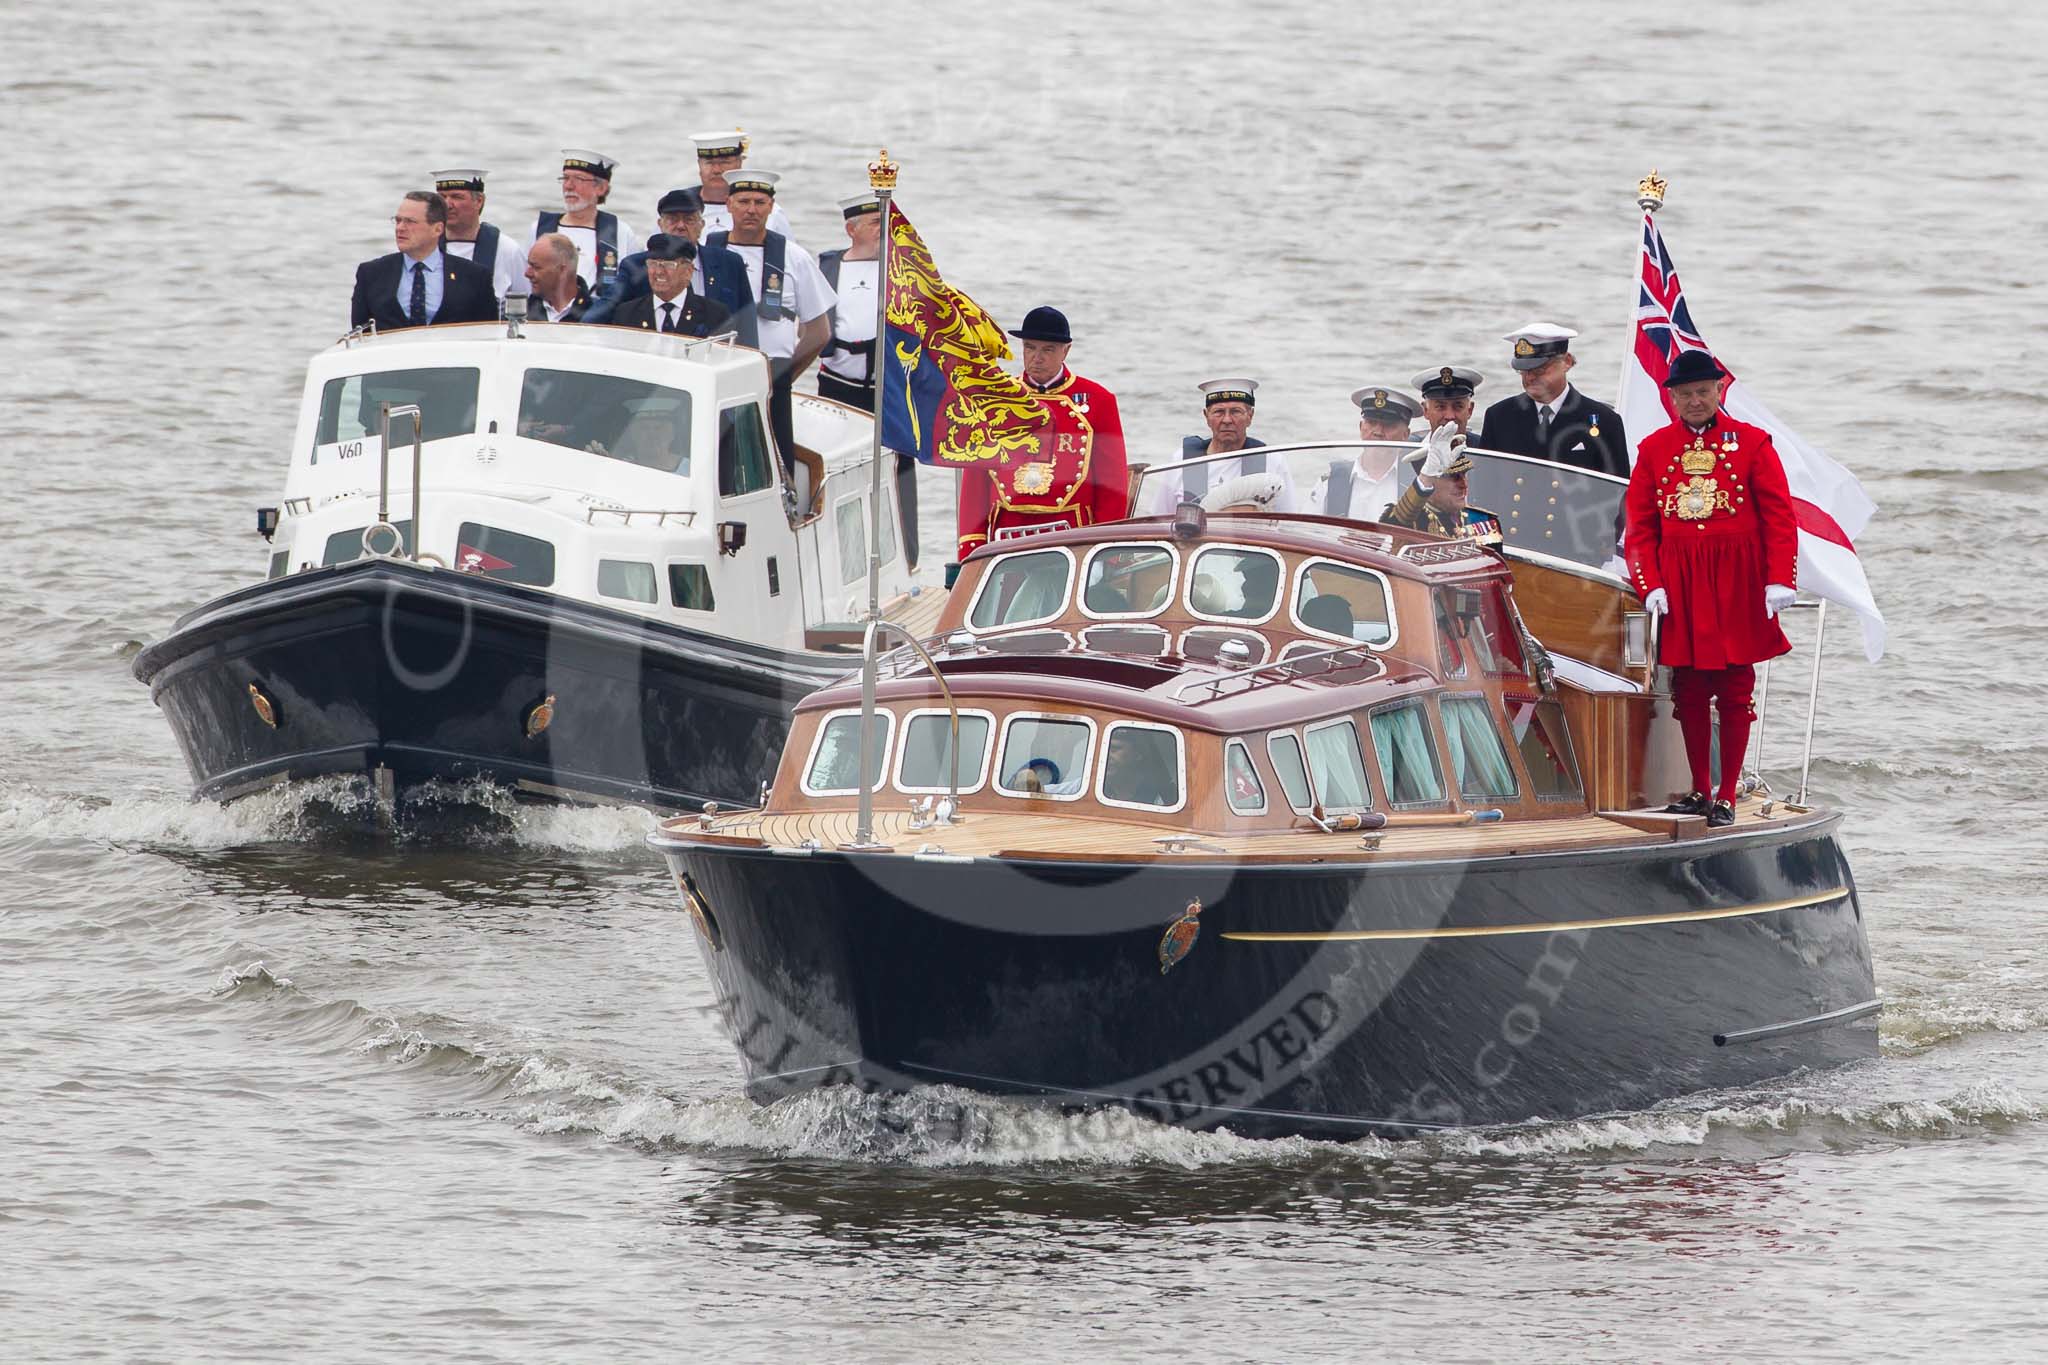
(1691,367)
(665,246)
(679,201)
(1044,324)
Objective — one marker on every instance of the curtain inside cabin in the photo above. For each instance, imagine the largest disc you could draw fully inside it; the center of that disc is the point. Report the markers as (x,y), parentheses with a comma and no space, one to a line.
(1477,755)
(1400,736)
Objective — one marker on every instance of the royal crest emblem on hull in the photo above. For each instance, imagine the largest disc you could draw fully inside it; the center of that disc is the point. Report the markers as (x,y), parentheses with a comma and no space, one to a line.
(1180,937)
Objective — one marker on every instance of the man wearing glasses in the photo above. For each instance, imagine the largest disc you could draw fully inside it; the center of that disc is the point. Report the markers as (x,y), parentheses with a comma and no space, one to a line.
(670,306)
(598,234)
(419,284)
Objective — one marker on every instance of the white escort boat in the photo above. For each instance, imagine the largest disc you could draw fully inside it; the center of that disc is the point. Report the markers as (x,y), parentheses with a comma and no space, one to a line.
(562,558)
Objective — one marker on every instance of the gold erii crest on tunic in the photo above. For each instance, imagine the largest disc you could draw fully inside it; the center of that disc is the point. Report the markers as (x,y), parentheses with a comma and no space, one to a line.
(1697,459)
(1033,478)
(1697,499)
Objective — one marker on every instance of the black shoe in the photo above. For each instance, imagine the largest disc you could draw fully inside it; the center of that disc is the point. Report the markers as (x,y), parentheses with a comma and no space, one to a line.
(1693,804)
(1721,816)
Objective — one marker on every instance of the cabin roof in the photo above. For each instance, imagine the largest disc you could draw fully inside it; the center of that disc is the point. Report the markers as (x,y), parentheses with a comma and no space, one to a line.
(1393,550)
(473,339)
(1186,693)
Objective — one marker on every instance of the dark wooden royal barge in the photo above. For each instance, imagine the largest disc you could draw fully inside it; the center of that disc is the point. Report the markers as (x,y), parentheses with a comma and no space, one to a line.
(1277,823)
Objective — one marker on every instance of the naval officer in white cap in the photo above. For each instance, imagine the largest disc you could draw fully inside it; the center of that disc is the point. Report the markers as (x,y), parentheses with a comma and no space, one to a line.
(792,302)
(471,238)
(1447,396)
(1228,406)
(720,151)
(1549,419)
(601,238)
(1364,487)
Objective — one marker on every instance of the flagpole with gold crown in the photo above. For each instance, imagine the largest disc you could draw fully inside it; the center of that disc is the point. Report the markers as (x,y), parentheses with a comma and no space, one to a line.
(882,180)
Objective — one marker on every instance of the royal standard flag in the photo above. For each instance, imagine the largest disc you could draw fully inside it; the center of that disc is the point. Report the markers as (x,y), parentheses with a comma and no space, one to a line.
(945,396)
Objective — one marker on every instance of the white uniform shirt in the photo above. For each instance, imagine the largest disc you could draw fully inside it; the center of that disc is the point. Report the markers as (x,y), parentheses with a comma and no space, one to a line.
(1369,496)
(507,272)
(1168,482)
(718,218)
(853,318)
(803,285)
(585,239)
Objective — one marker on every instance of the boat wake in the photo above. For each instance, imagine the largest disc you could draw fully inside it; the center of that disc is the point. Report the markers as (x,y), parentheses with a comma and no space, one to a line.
(324,810)
(548,1093)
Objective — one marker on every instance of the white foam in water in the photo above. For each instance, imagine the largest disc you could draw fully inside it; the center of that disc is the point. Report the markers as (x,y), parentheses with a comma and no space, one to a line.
(282,813)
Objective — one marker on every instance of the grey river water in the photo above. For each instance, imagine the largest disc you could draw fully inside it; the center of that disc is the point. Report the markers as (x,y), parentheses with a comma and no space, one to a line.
(275,1090)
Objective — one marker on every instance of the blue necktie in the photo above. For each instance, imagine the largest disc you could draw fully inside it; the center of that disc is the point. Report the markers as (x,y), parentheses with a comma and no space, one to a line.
(418,312)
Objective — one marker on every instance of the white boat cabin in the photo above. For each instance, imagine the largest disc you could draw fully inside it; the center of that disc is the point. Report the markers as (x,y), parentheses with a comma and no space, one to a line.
(620,467)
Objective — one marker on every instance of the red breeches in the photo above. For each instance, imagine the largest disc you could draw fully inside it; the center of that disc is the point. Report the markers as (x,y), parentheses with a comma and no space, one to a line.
(1735,689)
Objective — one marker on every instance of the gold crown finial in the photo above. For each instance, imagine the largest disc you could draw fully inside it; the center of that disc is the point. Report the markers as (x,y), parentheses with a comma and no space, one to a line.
(1650,192)
(882,173)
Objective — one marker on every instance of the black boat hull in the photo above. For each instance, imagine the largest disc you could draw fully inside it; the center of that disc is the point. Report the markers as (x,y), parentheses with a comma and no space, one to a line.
(431,676)
(1487,992)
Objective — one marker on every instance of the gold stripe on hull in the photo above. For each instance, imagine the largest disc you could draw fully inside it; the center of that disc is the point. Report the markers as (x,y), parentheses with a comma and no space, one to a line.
(1549,927)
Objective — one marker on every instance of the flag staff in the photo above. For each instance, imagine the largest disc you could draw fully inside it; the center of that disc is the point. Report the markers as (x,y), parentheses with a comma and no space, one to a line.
(882,180)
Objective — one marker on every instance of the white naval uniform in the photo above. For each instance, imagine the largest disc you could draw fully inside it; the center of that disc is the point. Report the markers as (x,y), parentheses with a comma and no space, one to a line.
(853,318)
(718,218)
(508,272)
(1370,497)
(1168,481)
(585,239)
(803,286)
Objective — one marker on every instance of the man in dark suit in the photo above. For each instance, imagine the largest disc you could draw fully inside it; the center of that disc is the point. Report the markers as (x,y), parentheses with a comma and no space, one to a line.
(419,284)
(721,274)
(670,307)
(1550,419)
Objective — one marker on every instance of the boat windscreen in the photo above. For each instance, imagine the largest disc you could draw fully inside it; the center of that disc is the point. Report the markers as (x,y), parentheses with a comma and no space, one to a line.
(351,406)
(1555,509)
(630,420)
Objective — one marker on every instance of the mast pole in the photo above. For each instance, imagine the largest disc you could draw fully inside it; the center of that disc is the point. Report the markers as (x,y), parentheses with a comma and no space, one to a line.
(882,180)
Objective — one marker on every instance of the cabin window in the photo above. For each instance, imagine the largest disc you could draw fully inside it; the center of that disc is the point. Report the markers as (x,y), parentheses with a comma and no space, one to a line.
(689,587)
(1336,768)
(925,765)
(1233,583)
(1285,751)
(623,578)
(1337,600)
(1478,757)
(743,461)
(1129,580)
(350,406)
(280,562)
(492,553)
(835,754)
(885,539)
(629,420)
(1241,785)
(1141,767)
(1546,746)
(1045,755)
(1021,589)
(1205,643)
(344,546)
(1476,625)
(850,525)
(1126,639)
(1408,766)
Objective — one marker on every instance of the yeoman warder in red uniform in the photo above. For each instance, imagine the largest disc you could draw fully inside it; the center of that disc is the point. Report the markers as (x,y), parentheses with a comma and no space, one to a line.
(1085,482)
(1713,548)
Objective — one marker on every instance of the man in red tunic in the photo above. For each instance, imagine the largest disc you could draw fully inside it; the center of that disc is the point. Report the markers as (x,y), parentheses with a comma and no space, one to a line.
(1085,482)
(1714,551)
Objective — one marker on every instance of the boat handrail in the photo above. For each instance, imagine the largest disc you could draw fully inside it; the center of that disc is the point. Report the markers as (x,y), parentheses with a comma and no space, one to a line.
(864,830)
(385,412)
(1754,781)
(626,514)
(1279,671)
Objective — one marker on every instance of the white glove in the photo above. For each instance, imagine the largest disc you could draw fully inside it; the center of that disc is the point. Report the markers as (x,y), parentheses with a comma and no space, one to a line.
(1442,446)
(1656,603)
(1777,597)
